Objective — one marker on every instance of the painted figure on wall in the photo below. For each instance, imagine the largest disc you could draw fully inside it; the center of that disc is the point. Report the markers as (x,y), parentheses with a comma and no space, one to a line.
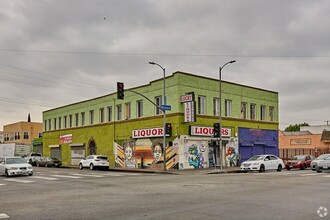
(157,152)
(130,161)
(231,154)
(196,158)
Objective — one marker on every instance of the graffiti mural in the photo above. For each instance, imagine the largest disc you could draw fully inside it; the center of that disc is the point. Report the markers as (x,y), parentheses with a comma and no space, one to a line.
(232,153)
(145,153)
(196,154)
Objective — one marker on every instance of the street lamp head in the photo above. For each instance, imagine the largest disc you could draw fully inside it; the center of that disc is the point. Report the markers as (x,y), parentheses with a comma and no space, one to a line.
(152,63)
(232,61)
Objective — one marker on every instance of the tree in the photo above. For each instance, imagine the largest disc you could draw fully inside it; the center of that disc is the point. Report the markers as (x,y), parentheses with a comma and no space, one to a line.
(295,127)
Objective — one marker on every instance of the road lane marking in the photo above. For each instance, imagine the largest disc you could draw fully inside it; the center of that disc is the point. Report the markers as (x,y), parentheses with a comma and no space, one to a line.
(67,176)
(88,175)
(326,176)
(44,178)
(3,215)
(309,174)
(2,184)
(19,180)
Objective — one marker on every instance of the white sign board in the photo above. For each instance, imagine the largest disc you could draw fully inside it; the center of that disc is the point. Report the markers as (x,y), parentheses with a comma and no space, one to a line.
(208,131)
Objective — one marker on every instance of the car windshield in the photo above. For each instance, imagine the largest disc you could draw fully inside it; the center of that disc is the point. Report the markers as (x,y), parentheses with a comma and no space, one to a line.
(323,157)
(298,157)
(257,157)
(15,160)
(102,158)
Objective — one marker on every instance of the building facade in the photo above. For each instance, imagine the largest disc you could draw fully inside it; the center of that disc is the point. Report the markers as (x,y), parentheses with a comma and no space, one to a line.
(22,132)
(130,131)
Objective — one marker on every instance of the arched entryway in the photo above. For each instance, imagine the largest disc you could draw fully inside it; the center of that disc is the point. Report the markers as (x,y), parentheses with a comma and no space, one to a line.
(92,147)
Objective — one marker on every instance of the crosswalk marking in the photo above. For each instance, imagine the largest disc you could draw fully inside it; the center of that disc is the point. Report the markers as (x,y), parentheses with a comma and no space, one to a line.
(87,175)
(67,176)
(45,178)
(19,180)
(326,176)
(2,184)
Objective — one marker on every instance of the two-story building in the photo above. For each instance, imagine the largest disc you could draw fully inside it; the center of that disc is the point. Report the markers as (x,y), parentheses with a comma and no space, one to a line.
(130,131)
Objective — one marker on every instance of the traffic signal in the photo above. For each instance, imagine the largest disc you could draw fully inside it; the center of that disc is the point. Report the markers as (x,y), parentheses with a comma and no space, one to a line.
(216,130)
(168,129)
(120,90)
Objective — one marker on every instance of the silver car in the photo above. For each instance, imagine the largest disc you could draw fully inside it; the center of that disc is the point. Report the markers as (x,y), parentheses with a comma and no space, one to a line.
(316,161)
(10,166)
(323,165)
(94,161)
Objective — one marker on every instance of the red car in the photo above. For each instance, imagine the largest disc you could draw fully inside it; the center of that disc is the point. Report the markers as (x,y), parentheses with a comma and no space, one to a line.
(299,161)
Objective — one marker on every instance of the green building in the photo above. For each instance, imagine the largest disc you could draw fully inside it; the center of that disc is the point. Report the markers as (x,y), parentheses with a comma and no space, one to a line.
(130,131)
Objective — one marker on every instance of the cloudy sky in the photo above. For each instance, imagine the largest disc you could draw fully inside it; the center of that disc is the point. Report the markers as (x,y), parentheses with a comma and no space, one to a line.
(54,53)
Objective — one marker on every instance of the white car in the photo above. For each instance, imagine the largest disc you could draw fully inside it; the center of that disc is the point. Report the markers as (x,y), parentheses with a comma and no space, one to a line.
(10,166)
(94,161)
(323,165)
(262,163)
(315,162)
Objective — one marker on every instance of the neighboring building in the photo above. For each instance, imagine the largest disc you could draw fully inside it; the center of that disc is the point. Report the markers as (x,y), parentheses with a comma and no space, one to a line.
(130,131)
(313,140)
(22,132)
(1,137)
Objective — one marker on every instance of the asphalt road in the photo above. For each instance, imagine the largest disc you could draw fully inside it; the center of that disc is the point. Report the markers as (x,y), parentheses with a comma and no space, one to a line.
(53,193)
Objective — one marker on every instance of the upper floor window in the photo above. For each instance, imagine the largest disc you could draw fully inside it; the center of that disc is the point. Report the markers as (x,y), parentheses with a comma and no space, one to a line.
(101,115)
(127,110)
(216,106)
(201,105)
(45,128)
(59,123)
(243,110)
(119,112)
(55,123)
(49,124)
(228,108)
(139,108)
(77,119)
(109,108)
(26,135)
(271,113)
(82,118)
(91,117)
(158,101)
(70,121)
(262,112)
(65,121)
(253,111)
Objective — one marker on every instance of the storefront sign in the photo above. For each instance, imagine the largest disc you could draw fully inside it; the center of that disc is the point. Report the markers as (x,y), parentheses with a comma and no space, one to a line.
(189,112)
(148,132)
(300,141)
(66,138)
(187,98)
(208,131)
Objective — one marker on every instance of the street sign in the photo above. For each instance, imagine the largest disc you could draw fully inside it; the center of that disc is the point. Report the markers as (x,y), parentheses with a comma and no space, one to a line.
(165,107)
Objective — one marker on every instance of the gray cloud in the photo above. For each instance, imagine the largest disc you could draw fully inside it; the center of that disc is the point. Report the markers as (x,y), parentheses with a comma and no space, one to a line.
(54,53)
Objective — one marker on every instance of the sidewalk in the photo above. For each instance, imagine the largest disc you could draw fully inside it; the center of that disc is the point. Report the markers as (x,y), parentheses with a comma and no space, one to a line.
(182,172)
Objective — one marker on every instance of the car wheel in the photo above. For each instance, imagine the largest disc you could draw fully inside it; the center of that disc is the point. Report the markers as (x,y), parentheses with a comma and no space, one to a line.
(319,171)
(279,168)
(303,166)
(6,173)
(30,174)
(46,165)
(288,168)
(38,164)
(262,168)
(91,166)
(81,166)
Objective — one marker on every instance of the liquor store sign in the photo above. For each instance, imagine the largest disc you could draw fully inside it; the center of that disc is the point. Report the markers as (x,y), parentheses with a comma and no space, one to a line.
(208,131)
(148,132)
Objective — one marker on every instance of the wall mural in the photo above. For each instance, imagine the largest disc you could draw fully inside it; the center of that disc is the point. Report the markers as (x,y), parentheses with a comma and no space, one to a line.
(232,153)
(196,154)
(145,153)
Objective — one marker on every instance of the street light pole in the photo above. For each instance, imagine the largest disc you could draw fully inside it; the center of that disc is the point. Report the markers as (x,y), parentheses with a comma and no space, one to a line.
(220,116)
(164,112)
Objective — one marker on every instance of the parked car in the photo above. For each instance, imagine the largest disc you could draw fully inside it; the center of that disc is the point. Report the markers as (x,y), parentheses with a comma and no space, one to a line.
(300,161)
(262,163)
(323,165)
(94,161)
(316,161)
(11,166)
(32,158)
(49,162)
